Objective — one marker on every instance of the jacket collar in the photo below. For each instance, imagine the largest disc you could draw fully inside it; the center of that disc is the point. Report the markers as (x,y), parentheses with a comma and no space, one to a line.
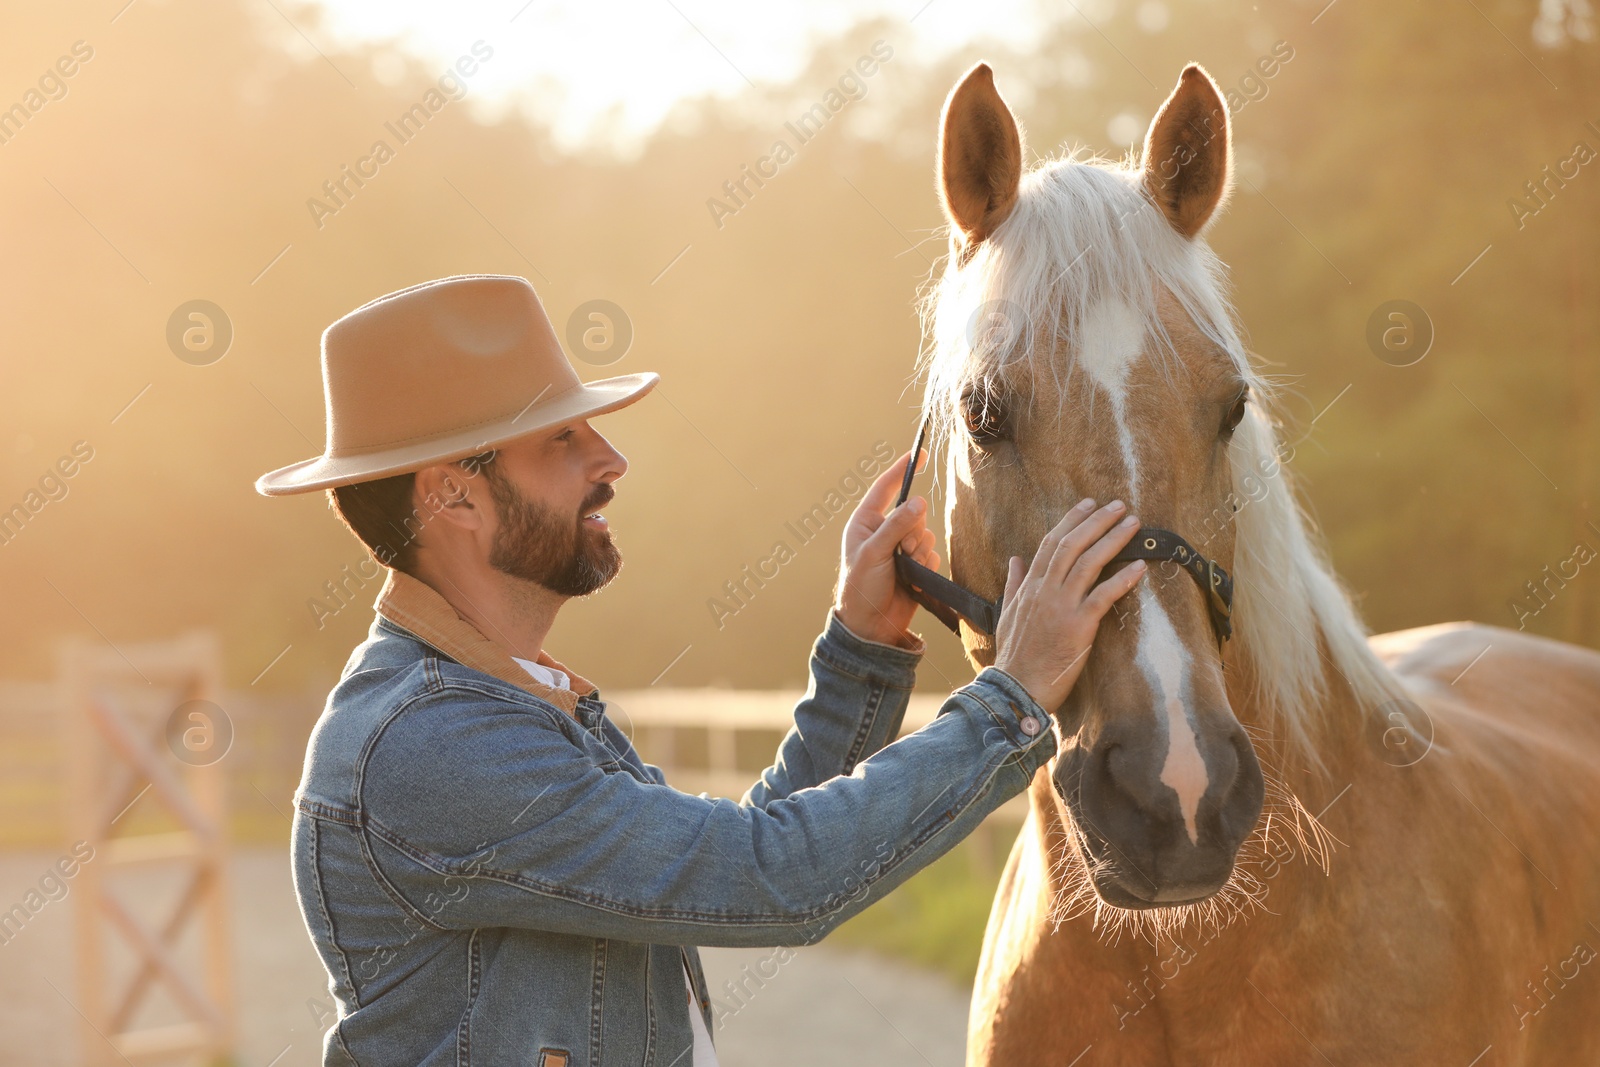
(418,608)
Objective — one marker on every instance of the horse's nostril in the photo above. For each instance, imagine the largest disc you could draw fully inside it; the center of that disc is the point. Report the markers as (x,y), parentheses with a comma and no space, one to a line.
(1121,786)
(1125,771)
(1240,806)
(1224,762)
(1129,783)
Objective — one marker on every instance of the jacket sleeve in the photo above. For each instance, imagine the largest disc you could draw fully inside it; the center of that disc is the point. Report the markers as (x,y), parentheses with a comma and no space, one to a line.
(853,706)
(479,812)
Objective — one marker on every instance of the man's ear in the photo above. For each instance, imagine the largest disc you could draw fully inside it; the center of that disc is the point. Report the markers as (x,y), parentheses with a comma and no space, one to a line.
(1187,156)
(980,157)
(443,492)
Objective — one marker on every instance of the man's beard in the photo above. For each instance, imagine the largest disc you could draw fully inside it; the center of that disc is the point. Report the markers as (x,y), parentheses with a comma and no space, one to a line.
(539,544)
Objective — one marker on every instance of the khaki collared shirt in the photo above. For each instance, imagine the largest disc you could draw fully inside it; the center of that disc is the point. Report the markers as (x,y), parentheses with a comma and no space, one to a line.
(417,606)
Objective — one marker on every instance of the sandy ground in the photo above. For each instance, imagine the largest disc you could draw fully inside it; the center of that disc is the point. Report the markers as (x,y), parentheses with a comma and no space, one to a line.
(821,1006)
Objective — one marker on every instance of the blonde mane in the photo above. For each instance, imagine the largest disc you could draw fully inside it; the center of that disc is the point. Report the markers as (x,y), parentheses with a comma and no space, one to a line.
(1081,230)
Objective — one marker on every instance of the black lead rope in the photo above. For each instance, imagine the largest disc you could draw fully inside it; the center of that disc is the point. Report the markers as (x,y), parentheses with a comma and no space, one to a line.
(944,599)
(952,603)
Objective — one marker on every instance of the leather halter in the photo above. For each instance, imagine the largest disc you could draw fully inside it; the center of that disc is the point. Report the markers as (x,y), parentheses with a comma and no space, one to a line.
(952,603)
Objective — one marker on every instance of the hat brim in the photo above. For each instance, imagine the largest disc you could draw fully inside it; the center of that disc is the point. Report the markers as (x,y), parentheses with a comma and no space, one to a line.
(327,472)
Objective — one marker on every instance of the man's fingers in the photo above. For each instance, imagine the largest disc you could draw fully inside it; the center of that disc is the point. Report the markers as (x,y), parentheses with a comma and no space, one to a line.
(1014,573)
(1080,538)
(1114,588)
(898,524)
(868,519)
(1094,558)
(917,543)
(911,540)
(1047,547)
(887,485)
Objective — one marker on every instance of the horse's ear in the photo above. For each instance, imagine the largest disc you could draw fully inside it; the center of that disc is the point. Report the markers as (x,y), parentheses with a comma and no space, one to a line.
(1187,156)
(980,156)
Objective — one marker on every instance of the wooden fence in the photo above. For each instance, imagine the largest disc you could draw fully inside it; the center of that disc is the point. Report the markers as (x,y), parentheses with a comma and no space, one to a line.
(141,723)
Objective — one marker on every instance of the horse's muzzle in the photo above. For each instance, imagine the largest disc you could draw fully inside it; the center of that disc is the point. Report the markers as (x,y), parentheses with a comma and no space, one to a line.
(1140,848)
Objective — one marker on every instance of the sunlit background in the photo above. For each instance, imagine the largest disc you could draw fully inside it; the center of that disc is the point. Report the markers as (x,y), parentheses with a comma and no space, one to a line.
(1443,154)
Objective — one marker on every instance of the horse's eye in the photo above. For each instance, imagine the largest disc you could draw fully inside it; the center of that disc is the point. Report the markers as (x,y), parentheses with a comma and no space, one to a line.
(983,414)
(1235,414)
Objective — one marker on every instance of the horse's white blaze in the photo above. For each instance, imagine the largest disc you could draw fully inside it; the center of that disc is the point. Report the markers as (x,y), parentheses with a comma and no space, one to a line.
(1109,343)
(1165,663)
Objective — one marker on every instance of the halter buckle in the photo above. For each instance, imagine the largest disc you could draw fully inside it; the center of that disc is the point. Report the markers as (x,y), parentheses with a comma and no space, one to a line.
(1214,589)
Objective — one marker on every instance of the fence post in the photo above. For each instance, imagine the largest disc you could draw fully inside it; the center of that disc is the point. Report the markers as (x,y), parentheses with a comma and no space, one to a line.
(145,738)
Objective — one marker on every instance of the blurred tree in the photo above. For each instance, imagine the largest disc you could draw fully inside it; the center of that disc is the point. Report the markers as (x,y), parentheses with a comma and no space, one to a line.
(1378,163)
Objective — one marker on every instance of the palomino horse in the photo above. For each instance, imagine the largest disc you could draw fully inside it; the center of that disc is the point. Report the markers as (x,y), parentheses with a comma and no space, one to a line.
(1172,898)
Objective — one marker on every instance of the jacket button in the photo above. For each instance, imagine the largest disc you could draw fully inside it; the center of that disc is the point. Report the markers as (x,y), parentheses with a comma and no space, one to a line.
(1030,726)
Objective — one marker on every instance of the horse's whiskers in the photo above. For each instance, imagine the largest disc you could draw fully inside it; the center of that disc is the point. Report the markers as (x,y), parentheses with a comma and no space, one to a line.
(1285,832)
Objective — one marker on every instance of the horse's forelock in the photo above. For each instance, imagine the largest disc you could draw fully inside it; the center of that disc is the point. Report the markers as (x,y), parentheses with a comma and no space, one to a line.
(1082,231)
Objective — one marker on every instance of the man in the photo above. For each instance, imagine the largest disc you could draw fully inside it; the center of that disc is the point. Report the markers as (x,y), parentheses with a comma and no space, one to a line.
(488,870)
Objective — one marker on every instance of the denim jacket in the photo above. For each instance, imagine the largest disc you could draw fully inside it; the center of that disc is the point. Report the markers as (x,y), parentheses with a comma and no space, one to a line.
(491,875)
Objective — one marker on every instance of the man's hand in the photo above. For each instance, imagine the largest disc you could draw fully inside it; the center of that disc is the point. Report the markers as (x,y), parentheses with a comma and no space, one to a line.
(1050,614)
(869,601)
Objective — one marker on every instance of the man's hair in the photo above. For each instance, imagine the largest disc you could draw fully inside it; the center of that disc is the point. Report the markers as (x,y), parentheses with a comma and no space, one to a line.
(381,514)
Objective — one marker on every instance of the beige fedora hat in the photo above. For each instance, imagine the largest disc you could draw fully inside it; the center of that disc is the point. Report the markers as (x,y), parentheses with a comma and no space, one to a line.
(442,371)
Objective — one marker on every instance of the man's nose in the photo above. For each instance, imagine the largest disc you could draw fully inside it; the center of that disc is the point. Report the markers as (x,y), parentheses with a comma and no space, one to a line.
(612,463)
